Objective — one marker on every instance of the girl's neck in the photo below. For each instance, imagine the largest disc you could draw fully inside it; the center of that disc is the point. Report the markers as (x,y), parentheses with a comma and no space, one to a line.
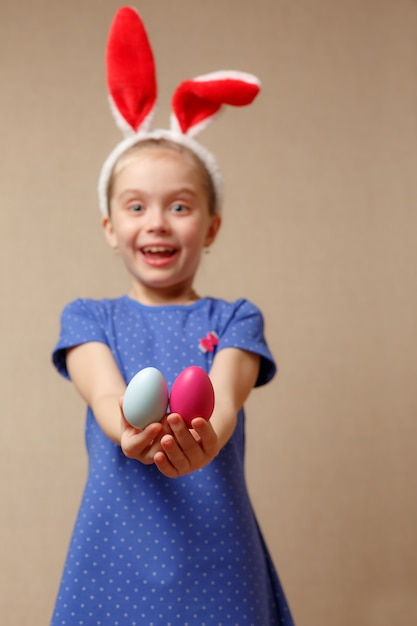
(155,297)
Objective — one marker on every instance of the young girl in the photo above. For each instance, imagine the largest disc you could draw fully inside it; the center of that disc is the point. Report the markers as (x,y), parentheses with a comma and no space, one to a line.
(148,549)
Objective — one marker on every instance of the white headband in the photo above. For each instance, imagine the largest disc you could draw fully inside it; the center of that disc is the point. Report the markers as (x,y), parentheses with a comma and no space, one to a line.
(132,92)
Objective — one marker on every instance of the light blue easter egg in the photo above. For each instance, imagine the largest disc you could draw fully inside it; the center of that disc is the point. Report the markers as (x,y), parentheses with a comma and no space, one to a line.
(146,398)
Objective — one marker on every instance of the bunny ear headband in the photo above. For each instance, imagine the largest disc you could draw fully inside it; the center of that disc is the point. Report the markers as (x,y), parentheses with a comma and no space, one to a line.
(132,90)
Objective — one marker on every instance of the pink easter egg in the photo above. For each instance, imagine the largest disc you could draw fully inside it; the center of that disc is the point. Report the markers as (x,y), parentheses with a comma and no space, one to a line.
(192,395)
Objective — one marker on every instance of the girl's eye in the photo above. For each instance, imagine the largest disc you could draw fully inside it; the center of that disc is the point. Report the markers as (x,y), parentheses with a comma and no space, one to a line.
(179,208)
(136,208)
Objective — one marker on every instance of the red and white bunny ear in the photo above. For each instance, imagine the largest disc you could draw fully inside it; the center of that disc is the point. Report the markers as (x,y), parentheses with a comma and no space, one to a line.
(197,101)
(130,72)
(132,89)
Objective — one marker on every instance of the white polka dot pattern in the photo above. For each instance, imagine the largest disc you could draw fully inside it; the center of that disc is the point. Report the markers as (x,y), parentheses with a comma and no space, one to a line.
(146,549)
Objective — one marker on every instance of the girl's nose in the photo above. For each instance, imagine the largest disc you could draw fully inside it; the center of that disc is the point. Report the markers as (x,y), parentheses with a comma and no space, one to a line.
(157,220)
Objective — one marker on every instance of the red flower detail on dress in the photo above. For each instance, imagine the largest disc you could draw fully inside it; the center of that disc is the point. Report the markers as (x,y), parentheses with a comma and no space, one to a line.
(209,342)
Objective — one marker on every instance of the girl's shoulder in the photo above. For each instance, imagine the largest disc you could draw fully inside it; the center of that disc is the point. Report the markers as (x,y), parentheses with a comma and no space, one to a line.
(94,306)
(240,307)
(94,303)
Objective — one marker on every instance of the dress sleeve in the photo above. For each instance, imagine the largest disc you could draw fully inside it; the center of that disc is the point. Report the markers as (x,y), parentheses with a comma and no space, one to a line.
(80,323)
(244,329)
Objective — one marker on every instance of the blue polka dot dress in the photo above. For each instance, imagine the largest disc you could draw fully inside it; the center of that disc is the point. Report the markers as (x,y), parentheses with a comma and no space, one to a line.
(146,549)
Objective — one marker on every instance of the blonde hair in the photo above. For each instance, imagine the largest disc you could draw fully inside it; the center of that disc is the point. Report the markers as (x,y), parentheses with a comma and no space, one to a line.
(167,144)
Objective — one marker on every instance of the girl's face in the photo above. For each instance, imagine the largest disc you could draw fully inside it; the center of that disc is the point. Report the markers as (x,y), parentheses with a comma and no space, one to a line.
(160,223)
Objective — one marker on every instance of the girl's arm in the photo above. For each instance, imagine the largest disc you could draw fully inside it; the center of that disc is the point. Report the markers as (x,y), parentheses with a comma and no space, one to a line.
(170,444)
(233,374)
(98,380)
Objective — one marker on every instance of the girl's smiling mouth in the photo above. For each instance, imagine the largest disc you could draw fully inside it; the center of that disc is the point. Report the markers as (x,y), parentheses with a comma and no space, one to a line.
(158,255)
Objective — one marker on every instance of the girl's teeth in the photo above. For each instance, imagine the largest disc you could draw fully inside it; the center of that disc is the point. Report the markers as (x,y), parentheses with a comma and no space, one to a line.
(158,250)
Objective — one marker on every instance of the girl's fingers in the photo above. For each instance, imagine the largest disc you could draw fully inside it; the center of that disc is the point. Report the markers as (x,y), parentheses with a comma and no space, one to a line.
(180,459)
(185,450)
(206,436)
(165,467)
(171,445)
(138,443)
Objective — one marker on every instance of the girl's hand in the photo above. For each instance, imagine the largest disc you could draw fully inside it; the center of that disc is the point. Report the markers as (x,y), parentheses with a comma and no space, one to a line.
(183,451)
(169,444)
(141,445)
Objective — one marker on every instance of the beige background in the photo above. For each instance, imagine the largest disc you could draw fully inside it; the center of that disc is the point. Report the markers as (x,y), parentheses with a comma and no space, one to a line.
(320,231)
